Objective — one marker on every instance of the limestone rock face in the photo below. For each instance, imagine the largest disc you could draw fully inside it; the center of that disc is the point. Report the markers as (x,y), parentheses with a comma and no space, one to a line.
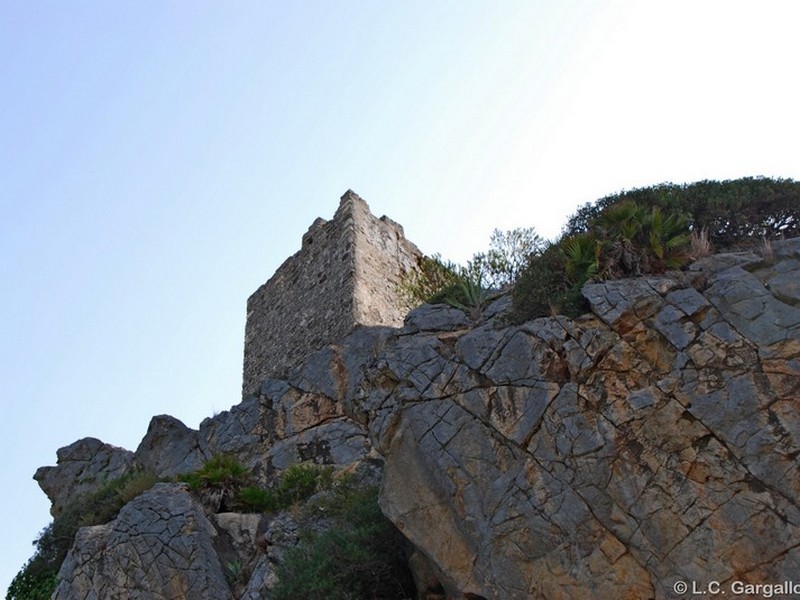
(161,546)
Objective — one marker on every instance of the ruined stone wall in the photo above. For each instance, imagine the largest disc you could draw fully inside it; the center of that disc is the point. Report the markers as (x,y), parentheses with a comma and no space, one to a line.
(346,274)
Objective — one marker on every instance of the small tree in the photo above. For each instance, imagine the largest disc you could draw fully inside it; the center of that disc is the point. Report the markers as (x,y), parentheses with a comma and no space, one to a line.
(509,252)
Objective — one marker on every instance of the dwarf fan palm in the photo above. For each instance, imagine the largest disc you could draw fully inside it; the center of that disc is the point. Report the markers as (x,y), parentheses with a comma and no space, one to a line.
(668,238)
(583,258)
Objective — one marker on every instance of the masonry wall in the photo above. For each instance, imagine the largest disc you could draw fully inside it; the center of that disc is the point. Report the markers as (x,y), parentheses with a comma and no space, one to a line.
(346,274)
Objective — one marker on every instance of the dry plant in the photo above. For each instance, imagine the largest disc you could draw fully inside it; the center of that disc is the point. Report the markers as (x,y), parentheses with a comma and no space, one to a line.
(699,244)
(765,250)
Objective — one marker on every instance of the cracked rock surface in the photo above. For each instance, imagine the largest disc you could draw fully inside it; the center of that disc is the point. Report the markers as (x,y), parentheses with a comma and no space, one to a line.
(161,546)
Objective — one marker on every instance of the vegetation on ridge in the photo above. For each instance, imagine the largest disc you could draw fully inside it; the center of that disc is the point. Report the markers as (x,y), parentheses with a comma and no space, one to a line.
(733,212)
(624,240)
(638,232)
(472,286)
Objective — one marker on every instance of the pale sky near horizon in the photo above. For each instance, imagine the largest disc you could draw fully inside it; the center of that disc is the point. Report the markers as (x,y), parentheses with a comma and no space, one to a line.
(159,160)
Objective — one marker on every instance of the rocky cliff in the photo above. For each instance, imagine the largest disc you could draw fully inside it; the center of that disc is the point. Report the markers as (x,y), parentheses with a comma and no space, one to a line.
(651,442)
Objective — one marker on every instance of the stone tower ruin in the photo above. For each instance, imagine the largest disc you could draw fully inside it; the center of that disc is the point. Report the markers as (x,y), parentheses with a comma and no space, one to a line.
(347,273)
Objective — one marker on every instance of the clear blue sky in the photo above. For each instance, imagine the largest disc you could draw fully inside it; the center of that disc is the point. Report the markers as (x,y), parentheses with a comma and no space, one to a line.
(158,161)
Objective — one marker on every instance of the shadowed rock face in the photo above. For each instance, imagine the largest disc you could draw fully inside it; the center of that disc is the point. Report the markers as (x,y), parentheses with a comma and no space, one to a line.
(651,441)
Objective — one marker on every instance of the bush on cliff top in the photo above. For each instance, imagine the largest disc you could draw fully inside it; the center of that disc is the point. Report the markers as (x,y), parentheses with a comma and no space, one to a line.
(645,231)
(649,231)
(432,276)
(624,240)
(733,212)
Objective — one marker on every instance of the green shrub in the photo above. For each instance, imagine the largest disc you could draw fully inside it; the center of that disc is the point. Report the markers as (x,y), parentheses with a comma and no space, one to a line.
(582,257)
(38,577)
(230,483)
(220,471)
(628,240)
(669,240)
(437,281)
(302,481)
(467,295)
(447,283)
(544,288)
(218,482)
(360,556)
(504,261)
(103,505)
(298,483)
(621,240)
(733,213)
(257,500)
(36,581)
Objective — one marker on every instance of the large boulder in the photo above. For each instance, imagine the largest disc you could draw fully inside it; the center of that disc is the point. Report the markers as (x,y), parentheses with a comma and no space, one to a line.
(83,467)
(169,448)
(161,546)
